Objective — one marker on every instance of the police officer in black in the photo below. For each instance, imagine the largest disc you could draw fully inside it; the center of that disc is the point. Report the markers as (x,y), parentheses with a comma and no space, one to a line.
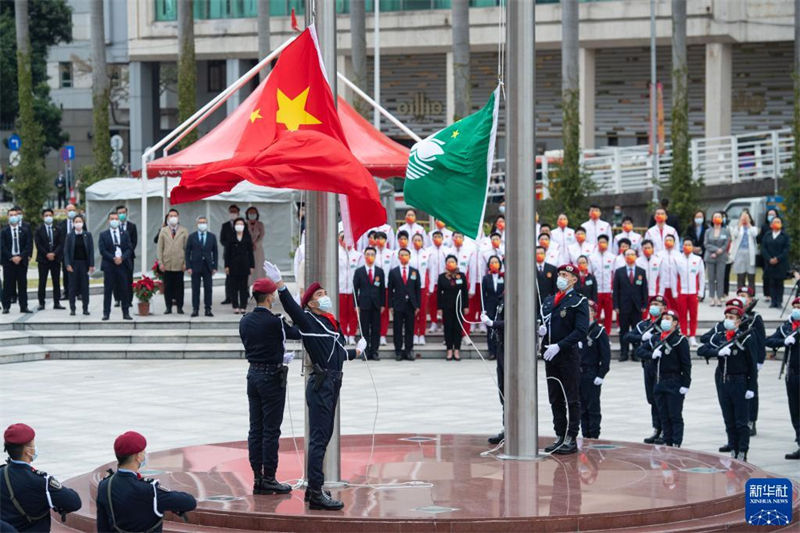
(496,325)
(670,350)
(752,320)
(264,335)
(736,377)
(27,495)
(595,352)
(128,502)
(325,343)
(639,337)
(565,323)
(788,336)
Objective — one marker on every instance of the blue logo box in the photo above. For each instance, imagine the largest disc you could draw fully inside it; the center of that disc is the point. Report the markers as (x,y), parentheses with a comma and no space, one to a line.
(768,502)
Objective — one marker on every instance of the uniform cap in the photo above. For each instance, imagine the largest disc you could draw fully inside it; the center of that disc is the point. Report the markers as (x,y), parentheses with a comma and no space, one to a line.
(670,312)
(796,301)
(569,267)
(747,290)
(265,286)
(18,434)
(658,299)
(734,302)
(129,443)
(733,310)
(314,287)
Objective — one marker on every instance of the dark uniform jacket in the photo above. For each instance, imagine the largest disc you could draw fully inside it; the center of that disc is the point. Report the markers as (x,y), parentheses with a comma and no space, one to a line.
(775,247)
(675,360)
(133,234)
(630,297)
(634,336)
(492,297)
(498,326)
(755,324)
(33,491)
(43,244)
(369,295)
(6,245)
(69,248)
(567,323)
(323,340)
(792,355)
(105,245)
(449,289)
(198,255)
(596,352)
(136,503)
(742,359)
(263,334)
(546,280)
(401,294)
(587,285)
(239,258)
(706,337)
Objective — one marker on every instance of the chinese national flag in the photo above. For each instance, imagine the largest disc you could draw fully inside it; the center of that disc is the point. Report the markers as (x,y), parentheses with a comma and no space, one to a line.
(291,137)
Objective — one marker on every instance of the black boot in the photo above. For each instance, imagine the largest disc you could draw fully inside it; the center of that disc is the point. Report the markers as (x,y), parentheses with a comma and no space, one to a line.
(752,426)
(308,494)
(270,485)
(497,439)
(652,438)
(725,449)
(257,481)
(569,446)
(556,444)
(793,456)
(319,499)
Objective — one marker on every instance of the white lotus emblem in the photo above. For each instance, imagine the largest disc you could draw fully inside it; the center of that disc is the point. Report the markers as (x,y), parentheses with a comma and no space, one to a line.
(424,151)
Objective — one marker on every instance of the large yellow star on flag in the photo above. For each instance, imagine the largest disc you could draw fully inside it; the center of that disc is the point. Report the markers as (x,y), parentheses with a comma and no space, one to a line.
(292,111)
(255,115)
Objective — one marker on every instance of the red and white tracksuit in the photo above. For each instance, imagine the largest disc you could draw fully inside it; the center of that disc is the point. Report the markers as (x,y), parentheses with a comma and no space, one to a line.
(386,259)
(668,282)
(595,228)
(419,260)
(349,261)
(657,234)
(436,257)
(603,270)
(691,285)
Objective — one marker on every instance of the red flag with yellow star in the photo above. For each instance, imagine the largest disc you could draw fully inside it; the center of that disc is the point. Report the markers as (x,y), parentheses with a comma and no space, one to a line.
(289,136)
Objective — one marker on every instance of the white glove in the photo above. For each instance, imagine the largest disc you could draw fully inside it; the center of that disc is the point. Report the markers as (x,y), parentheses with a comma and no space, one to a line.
(288,357)
(551,352)
(788,341)
(724,352)
(749,395)
(272,272)
(759,366)
(647,335)
(486,320)
(361,345)
(683,390)
(657,353)
(542,331)
(598,381)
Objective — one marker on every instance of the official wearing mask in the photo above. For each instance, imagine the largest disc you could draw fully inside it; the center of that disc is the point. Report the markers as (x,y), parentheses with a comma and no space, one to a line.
(264,337)
(172,260)
(324,341)
(640,337)
(66,227)
(452,292)
(369,289)
(496,324)
(16,245)
(202,258)
(595,352)
(239,264)
(27,495)
(787,336)
(565,323)
(79,263)
(49,254)
(115,249)
(493,286)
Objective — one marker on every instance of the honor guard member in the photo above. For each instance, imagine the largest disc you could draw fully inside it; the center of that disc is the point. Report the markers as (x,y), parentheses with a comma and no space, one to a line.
(565,322)
(324,341)
(126,501)
(595,352)
(496,325)
(493,286)
(788,336)
(673,377)
(736,377)
(264,336)
(755,324)
(640,337)
(27,495)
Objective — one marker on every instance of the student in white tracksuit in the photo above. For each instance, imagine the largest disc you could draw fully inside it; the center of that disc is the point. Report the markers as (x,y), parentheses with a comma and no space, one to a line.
(595,226)
(628,233)
(412,228)
(661,231)
(349,261)
(651,263)
(420,259)
(447,235)
(564,236)
(691,286)
(668,286)
(602,262)
(582,246)
(437,253)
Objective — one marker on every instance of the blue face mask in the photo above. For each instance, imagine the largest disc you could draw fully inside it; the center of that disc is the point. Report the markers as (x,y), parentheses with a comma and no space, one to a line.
(666,324)
(48,220)
(770,218)
(143,463)
(72,214)
(114,224)
(325,304)
(562,284)
(795,314)
(35,454)
(502,209)
(13,219)
(729,324)
(655,311)
(122,217)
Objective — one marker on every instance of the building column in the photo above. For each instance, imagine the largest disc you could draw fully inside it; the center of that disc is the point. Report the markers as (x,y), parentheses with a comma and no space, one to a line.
(235,69)
(144,109)
(719,66)
(586,84)
(450,105)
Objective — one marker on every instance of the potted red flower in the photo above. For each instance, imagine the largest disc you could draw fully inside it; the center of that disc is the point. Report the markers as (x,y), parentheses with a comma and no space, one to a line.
(144,289)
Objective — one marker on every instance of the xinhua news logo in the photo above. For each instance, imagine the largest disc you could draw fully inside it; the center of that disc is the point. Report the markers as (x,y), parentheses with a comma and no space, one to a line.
(768,502)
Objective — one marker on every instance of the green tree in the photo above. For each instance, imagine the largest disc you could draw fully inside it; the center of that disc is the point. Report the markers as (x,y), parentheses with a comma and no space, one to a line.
(101,100)
(187,69)
(53,26)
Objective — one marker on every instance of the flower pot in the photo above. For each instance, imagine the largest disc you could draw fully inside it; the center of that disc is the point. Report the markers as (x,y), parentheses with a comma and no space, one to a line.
(144,308)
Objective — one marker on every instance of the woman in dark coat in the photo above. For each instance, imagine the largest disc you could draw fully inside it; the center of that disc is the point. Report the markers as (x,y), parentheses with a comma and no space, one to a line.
(239,264)
(452,283)
(775,250)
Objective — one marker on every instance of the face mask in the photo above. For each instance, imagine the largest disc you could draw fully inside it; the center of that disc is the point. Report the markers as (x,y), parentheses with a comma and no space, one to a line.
(795,314)
(770,218)
(502,209)
(71,214)
(403,260)
(539,258)
(143,463)
(666,324)
(583,267)
(452,267)
(381,243)
(494,268)
(617,211)
(114,224)
(20,217)
(717,220)
(123,217)
(776,225)
(661,218)
(369,259)
(496,244)
(562,284)
(647,252)
(371,242)
(627,227)
(13,219)
(78,226)
(580,237)
(630,259)
(233,216)
(655,311)
(594,215)
(669,245)
(437,241)
(439,224)
(602,246)
(501,225)
(688,249)
(173,221)
(544,244)
(458,241)
(417,245)
(239,228)
(410,220)
(699,221)
(48,220)
(403,243)
(252,216)
(325,304)
(729,324)
(202,227)
(562,223)
(35,454)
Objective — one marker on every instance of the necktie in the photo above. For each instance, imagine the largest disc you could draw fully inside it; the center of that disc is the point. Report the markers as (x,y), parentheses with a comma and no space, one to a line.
(203,238)
(404,275)
(541,269)
(173,233)
(630,275)
(116,239)
(370,275)
(50,235)
(15,247)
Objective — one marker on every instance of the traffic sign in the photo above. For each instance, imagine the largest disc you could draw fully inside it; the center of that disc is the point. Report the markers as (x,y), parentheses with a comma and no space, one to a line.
(14,158)
(68,153)
(116,158)
(117,142)
(14,142)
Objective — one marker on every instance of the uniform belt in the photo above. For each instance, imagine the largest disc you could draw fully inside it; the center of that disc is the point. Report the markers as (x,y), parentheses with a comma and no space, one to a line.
(266,366)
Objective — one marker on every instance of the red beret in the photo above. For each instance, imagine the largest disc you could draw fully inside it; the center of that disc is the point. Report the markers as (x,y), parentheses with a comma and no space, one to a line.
(569,267)
(747,290)
(734,302)
(129,443)
(658,299)
(314,287)
(18,434)
(796,301)
(265,286)
(670,312)
(733,310)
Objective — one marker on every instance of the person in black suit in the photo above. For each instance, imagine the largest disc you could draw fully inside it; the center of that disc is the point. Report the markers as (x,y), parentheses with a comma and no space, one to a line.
(630,298)
(201,264)
(587,283)
(115,250)
(492,285)
(369,288)
(126,226)
(546,275)
(451,284)
(49,254)
(239,264)
(65,227)
(16,245)
(79,262)
(227,234)
(404,294)
(696,232)
(775,251)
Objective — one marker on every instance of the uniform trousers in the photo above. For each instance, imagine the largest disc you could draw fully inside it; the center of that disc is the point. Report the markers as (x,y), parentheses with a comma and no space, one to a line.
(16,284)
(403,330)
(590,405)
(321,399)
(565,367)
(452,329)
(173,288)
(774,290)
(730,393)
(687,314)
(793,392)
(114,281)
(53,269)
(347,314)
(649,371)
(501,378)
(266,395)
(79,283)
(671,297)
(605,302)
(670,409)
(371,330)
